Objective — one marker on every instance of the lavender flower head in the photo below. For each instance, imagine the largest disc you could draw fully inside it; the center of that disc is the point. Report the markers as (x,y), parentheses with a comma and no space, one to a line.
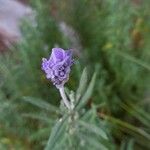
(57,67)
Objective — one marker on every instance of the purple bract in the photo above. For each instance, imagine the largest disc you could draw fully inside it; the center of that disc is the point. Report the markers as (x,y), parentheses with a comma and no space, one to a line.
(57,67)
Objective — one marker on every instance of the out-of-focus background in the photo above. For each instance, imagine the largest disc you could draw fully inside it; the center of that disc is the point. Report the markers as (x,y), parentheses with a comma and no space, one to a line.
(110,36)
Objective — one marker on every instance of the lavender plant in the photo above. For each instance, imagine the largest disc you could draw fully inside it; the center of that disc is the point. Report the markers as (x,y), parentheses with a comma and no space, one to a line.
(57,69)
(71,129)
(114,35)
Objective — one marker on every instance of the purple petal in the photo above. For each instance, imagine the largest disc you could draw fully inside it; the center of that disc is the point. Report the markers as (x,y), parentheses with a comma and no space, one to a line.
(44,64)
(58,54)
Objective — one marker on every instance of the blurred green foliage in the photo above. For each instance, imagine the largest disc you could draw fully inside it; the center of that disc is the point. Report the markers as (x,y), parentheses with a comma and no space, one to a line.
(114,36)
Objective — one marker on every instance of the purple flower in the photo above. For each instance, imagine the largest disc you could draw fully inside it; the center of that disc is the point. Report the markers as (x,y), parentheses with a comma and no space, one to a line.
(57,67)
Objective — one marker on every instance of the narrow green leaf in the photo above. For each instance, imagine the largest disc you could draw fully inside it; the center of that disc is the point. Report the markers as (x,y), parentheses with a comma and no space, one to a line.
(133,59)
(37,117)
(41,104)
(41,133)
(129,127)
(130,145)
(138,112)
(127,144)
(57,131)
(82,84)
(92,142)
(92,128)
(123,145)
(87,94)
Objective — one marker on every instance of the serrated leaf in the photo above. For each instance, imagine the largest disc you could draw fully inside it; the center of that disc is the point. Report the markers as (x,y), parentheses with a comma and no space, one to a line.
(87,94)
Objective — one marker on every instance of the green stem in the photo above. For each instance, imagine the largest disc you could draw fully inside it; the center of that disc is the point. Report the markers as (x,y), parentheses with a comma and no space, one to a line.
(64,98)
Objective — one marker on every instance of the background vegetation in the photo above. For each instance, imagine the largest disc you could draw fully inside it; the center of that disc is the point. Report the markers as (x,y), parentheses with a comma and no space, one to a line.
(109,36)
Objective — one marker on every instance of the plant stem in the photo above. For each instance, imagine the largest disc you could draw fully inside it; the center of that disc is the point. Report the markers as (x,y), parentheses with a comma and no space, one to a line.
(63,95)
